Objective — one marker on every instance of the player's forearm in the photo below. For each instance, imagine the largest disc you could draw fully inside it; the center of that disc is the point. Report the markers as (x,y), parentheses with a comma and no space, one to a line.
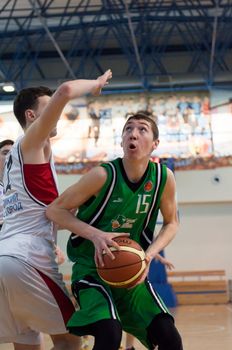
(43,126)
(77,88)
(165,236)
(64,218)
(65,93)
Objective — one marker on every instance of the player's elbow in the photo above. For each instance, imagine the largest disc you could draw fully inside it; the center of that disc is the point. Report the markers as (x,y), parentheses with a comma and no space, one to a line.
(50,212)
(65,90)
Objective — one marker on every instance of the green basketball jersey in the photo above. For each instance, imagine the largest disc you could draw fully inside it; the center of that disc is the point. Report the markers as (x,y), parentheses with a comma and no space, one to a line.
(121,206)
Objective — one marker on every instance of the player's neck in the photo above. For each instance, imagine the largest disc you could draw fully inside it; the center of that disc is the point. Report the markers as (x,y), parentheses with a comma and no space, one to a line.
(134,169)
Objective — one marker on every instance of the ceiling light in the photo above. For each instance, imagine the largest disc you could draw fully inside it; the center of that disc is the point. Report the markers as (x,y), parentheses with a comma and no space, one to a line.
(8,87)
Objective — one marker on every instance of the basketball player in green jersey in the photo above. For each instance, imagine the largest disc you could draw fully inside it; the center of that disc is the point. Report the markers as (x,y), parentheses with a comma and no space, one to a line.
(122,196)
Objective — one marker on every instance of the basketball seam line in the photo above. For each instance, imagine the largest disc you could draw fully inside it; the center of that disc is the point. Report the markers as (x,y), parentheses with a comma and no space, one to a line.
(132,279)
(121,266)
(141,253)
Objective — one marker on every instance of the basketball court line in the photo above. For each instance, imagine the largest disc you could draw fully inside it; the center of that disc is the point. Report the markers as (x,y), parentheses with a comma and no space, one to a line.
(200,330)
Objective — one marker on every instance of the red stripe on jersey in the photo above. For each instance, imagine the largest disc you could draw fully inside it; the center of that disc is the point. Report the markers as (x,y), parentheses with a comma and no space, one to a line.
(40,182)
(65,304)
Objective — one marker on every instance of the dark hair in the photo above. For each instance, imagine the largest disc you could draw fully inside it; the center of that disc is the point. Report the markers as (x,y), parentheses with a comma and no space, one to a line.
(6,142)
(146,116)
(28,99)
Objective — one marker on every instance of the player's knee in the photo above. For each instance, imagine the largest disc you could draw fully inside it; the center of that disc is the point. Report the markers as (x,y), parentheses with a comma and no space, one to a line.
(171,341)
(108,335)
(162,332)
(111,341)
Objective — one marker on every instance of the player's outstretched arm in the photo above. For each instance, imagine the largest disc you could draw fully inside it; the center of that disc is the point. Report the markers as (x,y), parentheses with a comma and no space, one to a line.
(42,126)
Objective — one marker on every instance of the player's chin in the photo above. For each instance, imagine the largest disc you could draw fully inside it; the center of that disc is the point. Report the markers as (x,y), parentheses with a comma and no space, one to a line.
(132,154)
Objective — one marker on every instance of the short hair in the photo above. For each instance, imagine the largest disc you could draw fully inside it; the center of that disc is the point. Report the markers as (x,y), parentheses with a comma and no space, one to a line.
(145,116)
(28,99)
(6,142)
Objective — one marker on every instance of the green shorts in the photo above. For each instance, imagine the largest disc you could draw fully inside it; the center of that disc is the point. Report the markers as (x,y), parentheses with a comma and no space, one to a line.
(135,308)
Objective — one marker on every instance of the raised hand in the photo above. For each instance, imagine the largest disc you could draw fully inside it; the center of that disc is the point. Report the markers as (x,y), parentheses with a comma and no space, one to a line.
(103,80)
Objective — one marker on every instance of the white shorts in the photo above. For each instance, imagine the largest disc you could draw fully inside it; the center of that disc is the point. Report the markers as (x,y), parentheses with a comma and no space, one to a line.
(30,303)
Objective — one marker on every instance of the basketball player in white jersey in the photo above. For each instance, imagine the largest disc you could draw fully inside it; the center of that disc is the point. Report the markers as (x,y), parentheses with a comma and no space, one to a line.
(33,298)
(5,147)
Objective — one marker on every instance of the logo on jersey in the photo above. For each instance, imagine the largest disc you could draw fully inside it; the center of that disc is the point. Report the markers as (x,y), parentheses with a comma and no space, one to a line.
(11,204)
(118,200)
(148,186)
(122,222)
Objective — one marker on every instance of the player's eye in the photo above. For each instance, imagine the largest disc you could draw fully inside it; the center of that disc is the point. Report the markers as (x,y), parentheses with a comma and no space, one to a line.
(143,129)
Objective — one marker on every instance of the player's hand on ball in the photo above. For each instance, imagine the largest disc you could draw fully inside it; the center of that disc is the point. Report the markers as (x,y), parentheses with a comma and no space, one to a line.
(145,273)
(102,243)
(128,265)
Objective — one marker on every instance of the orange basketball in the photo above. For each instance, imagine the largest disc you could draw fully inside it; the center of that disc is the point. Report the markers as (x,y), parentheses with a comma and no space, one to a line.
(127,267)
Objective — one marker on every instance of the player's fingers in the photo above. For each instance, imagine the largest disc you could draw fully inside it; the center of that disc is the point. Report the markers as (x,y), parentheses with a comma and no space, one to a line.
(170,266)
(99,259)
(109,252)
(114,244)
(96,260)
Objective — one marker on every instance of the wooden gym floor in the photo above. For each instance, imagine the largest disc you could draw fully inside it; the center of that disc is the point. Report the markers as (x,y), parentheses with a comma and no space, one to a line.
(203,327)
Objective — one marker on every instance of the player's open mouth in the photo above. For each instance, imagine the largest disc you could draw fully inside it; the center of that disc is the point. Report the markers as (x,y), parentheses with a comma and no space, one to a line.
(132,146)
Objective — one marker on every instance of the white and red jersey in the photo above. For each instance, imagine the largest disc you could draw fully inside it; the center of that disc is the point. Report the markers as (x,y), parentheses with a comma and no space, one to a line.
(26,233)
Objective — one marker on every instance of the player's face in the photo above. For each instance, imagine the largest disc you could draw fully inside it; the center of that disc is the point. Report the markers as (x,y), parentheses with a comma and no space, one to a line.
(137,139)
(3,152)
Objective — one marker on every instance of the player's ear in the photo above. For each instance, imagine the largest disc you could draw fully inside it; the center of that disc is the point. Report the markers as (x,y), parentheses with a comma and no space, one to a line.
(155,144)
(30,115)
